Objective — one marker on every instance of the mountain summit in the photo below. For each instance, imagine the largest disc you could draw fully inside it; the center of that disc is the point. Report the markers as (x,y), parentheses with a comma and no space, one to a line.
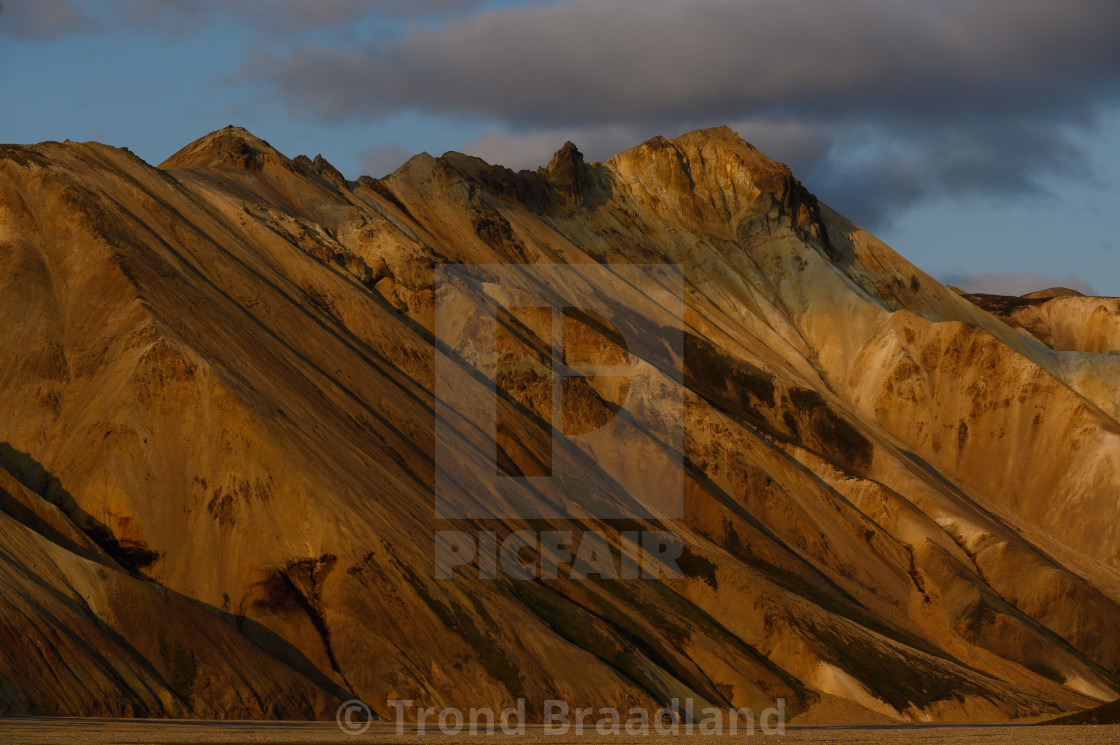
(218,448)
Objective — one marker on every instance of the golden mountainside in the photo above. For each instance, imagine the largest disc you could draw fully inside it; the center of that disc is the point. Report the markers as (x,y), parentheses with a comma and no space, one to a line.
(217,449)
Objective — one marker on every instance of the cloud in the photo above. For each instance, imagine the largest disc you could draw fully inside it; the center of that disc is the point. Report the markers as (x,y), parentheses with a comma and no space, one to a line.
(877,174)
(650,60)
(38,20)
(46,19)
(1014,283)
(882,102)
(274,16)
(380,160)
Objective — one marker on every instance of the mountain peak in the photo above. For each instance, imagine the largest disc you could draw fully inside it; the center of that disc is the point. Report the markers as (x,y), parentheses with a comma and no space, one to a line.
(722,143)
(716,177)
(1053,292)
(235,146)
(568,153)
(568,173)
(722,133)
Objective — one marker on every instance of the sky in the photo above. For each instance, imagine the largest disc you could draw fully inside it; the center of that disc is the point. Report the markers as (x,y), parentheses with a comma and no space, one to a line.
(979,138)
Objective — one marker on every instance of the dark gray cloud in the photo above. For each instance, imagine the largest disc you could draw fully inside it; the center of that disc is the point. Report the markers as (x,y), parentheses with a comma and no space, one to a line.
(47,19)
(270,17)
(874,175)
(1014,283)
(37,20)
(652,60)
(274,16)
(886,102)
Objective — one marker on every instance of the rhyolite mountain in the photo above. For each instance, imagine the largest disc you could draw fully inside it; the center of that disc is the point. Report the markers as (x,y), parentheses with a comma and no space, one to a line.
(217,437)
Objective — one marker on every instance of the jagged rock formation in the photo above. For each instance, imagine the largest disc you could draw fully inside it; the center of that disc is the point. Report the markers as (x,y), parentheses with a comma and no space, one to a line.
(216,494)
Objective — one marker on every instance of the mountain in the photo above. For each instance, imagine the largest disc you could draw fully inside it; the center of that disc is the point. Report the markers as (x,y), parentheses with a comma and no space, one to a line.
(221,431)
(1103,714)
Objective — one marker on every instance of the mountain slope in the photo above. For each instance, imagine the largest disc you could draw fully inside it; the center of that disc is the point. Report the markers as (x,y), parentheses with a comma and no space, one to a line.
(225,365)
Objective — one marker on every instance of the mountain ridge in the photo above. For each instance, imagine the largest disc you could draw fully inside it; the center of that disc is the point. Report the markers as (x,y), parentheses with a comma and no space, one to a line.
(229,357)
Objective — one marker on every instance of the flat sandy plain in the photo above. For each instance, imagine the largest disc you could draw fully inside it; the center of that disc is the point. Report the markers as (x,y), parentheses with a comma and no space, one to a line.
(133,732)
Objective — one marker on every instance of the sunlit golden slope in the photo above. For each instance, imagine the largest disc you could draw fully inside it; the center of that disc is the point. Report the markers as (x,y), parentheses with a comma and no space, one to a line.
(216,380)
